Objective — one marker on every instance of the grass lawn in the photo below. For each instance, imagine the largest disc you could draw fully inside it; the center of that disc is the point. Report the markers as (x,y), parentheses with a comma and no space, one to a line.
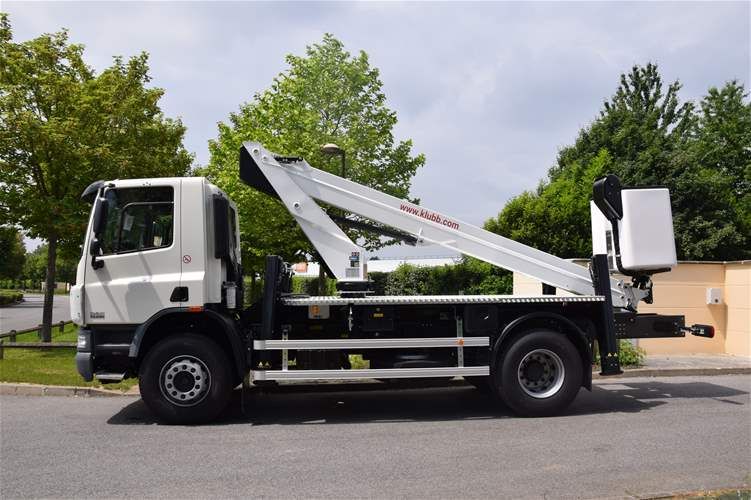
(48,366)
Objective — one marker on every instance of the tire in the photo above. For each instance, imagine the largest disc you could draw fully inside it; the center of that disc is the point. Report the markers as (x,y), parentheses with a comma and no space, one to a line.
(186,379)
(539,374)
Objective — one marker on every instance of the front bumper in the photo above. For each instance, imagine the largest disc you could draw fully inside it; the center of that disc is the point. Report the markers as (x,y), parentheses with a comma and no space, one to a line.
(85,365)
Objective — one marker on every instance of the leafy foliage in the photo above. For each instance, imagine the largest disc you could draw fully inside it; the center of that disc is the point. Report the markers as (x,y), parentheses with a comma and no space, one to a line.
(64,127)
(552,219)
(307,285)
(9,297)
(628,354)
(12,252)
(721,225)
(646,136)
(469,277)
(35,267)
(325,96)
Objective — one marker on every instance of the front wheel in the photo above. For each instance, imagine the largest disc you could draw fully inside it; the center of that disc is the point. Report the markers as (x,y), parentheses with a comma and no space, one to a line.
(186,379)
(539,374)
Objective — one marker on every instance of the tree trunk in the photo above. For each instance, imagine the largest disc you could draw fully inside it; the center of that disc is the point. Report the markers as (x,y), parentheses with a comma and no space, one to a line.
(49,292)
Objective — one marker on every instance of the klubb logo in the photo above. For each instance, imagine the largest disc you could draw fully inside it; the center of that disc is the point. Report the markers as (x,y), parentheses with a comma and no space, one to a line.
(428,215)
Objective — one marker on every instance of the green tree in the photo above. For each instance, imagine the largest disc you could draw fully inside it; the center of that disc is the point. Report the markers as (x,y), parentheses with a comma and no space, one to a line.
(12,252)
(641,126)
(63,126)
(646,136)
(724,139)
(722,152)
(35,266)
(325,96)
(553,218)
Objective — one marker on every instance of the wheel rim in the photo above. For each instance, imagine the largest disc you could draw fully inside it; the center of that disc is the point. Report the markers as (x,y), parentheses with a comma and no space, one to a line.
(185,380)
(541,373)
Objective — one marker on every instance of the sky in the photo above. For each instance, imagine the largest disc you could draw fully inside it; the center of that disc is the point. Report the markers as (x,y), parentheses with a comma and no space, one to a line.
(489,92)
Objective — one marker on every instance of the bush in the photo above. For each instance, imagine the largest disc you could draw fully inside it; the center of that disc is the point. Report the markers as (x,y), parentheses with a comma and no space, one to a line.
(378,282)
(628,354)
(306,285)
(8,284)
(301,285)
(408,280)
(469,277)
(10,297)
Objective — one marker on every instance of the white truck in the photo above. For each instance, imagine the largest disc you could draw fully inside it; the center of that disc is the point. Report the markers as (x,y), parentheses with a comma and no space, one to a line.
(159,294)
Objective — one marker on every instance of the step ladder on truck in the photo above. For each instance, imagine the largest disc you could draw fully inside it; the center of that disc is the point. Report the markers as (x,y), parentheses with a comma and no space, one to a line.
(159,294)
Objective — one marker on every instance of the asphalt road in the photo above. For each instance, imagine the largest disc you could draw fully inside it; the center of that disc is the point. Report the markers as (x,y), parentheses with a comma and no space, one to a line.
(28,313)
(629,437)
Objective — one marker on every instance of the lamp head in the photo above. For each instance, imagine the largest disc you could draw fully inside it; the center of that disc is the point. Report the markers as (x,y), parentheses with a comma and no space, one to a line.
(331,149)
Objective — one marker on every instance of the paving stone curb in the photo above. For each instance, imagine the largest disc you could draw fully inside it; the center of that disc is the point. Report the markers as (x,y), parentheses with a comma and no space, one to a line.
(11,389)
(676,372)
(17,389)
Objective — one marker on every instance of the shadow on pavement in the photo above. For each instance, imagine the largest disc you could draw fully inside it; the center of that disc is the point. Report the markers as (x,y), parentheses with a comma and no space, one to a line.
(368,402)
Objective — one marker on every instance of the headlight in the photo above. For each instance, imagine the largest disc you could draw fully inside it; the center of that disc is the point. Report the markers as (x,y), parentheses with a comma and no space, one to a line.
(84,341)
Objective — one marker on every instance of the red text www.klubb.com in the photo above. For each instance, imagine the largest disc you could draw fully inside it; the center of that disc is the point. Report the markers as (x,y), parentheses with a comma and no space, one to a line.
(425,214)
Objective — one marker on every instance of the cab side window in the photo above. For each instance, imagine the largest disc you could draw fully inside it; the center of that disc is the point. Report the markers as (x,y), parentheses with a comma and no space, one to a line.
(138,219)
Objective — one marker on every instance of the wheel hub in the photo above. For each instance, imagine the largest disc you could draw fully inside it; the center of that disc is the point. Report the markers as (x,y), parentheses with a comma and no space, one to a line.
(534,371)
(184,380)
(541,373)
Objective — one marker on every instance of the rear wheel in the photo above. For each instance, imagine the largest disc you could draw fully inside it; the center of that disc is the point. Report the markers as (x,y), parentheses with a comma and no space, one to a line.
(539,374)
(186,379)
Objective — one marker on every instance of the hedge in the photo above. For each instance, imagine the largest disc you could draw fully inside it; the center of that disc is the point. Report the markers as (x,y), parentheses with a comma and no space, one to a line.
(468,277)
(10,297)
(306,285)
(302,285)
(7,284)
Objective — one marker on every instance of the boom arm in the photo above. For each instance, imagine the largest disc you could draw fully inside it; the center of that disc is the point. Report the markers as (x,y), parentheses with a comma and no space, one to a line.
(297,185)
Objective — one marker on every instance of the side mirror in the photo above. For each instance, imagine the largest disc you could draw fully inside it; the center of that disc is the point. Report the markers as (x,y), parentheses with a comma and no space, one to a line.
(98,224)
(95,247)
(100,216)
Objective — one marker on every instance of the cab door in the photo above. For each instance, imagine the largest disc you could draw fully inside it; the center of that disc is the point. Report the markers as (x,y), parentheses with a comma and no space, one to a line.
(138,265)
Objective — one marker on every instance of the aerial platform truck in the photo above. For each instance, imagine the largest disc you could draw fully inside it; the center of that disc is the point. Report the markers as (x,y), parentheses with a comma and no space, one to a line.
(159,294)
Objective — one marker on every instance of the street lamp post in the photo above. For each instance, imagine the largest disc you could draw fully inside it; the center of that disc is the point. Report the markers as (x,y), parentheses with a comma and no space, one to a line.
(334,150)
(330,149)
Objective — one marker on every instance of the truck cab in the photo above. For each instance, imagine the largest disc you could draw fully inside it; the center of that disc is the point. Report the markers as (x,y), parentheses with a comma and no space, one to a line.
(155,248)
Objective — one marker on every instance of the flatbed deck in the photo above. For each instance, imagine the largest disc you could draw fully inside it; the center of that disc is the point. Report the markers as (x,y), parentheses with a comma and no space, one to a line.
(437,299)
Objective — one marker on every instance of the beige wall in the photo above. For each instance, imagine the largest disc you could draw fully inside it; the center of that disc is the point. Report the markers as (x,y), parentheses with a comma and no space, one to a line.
(738,300)
(684,291)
